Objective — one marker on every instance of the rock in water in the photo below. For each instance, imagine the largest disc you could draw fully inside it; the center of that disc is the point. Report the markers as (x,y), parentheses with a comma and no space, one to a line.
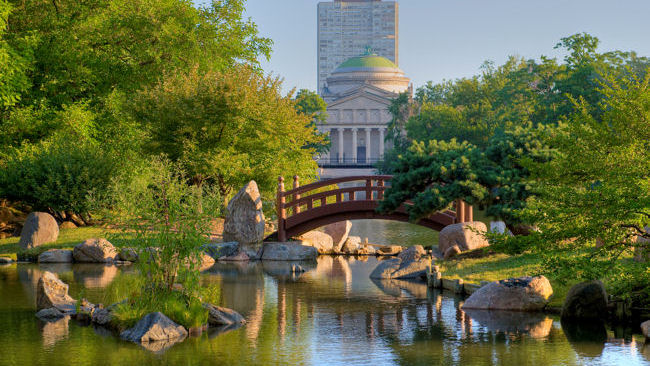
(53,293)
(517,294)
(351,244)
(154,327)
(219,316)
(319,240)
(288,252)
(39,228)
(339,232)
(400,269)
(245,219)
(128,255)
(56,256)
(412,253)
(585,301)
(390,250)
(95,251)
(645,328)
(219,250)
(467,235)
(50,314)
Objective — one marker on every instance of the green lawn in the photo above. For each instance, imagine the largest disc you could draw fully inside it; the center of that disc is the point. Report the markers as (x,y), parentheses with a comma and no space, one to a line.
(67,239)
(497,267)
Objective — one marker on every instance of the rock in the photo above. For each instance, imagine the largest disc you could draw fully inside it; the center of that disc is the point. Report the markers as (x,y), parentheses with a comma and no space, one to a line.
(67,225)
(365,249)
(467,236)
(517,294)
(319,240)
(128,255)
(56,256)
(339,232)
(645,329)
(412,253)
(52,292)
(288,252)
(218,316)
(239,257)
(351,244)
(39,228)
(245,219)
(206,262)
(398,269)
(498,227)
(49,314)
(95,251)
(219,250)
(390,250)
(102,316)
(154,327)
(585,301)
(451,252)
(5,260)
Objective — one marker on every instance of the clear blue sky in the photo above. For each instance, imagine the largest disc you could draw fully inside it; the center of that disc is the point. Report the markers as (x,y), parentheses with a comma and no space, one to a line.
(449,39)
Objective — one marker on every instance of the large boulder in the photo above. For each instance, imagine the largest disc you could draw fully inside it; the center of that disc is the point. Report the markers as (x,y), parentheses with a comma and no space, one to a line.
(467,235)
(95,251)
(398,269)
(339,232)
(351,245)
(517,294)
(645,329)
(56,256)
(51,292)
(154,327)
(585,301)
(319,240)
(218,316)
(288,252)
(39,228)
(245,219)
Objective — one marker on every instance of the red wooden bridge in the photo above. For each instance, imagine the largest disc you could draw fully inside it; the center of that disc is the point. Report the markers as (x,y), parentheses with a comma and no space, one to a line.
(308,207)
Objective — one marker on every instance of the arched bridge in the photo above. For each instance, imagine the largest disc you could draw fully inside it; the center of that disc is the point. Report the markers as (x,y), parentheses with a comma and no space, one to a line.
(304,208)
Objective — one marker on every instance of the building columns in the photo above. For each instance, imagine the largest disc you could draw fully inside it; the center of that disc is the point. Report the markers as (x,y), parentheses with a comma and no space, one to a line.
(381,143)
(340,157)
(367,145)
(354,146)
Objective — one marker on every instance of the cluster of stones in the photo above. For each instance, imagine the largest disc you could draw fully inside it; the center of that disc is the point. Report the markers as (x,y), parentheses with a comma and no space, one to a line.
(154,331)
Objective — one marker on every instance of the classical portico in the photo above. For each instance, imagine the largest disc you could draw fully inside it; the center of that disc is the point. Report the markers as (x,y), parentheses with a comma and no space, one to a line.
(358,94)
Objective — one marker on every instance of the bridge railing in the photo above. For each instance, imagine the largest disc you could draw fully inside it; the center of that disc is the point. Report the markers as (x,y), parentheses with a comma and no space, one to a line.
(369,188)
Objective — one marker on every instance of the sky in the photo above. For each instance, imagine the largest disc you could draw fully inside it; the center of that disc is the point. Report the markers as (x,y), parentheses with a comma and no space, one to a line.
(450,39)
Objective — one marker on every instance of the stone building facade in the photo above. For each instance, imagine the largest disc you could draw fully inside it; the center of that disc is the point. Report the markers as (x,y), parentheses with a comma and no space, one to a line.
(347,27)
(358,94)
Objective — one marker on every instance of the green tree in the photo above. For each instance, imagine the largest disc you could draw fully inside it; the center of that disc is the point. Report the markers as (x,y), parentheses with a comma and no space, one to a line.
(15,62)
(597,189)
(310,104)
(227,127)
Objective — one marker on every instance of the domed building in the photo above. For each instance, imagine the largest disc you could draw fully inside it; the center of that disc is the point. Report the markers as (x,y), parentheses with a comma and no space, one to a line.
(358,93)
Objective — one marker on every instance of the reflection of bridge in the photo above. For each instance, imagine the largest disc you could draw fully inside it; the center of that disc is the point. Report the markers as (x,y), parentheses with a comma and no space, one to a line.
(317,204)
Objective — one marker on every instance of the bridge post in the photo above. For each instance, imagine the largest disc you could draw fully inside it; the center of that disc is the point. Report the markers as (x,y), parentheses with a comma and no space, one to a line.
(281,211)
(369,189)
(296,196)
(380,192)
(469,213)
(460,211)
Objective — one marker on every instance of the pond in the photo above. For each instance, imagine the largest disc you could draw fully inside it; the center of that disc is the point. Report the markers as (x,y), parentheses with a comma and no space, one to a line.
(333,314)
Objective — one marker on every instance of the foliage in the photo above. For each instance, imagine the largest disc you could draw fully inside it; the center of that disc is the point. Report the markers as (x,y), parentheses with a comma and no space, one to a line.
(15,62)
(433,175)
(310,104)
(598,189)
(227,128)
(167,220)
(184,310)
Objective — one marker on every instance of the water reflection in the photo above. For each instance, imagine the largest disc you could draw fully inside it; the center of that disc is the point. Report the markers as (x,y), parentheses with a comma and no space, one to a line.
(332,313)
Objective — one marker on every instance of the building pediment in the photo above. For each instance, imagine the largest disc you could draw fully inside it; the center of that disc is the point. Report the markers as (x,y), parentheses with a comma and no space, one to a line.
(372,97)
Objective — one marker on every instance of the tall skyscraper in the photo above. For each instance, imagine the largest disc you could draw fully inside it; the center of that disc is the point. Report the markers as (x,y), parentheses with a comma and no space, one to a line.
(347,28)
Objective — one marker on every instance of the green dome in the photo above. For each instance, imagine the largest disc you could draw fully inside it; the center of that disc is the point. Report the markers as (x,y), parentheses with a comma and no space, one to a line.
(367,62)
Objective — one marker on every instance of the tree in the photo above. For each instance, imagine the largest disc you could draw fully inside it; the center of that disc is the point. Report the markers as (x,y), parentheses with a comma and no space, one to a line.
(310,104)
(433,175)
(592,202)
(227,127)
(15,62)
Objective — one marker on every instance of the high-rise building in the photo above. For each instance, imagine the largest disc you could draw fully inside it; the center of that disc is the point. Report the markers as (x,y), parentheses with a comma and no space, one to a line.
(348,28)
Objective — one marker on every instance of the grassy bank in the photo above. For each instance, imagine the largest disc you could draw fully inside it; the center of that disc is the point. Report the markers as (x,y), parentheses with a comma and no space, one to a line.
(68,238)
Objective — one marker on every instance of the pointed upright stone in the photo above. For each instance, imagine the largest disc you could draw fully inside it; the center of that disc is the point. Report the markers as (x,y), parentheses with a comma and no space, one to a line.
(245,219)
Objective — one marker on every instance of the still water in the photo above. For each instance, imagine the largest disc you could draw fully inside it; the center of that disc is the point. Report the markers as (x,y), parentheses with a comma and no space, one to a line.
(333,314)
